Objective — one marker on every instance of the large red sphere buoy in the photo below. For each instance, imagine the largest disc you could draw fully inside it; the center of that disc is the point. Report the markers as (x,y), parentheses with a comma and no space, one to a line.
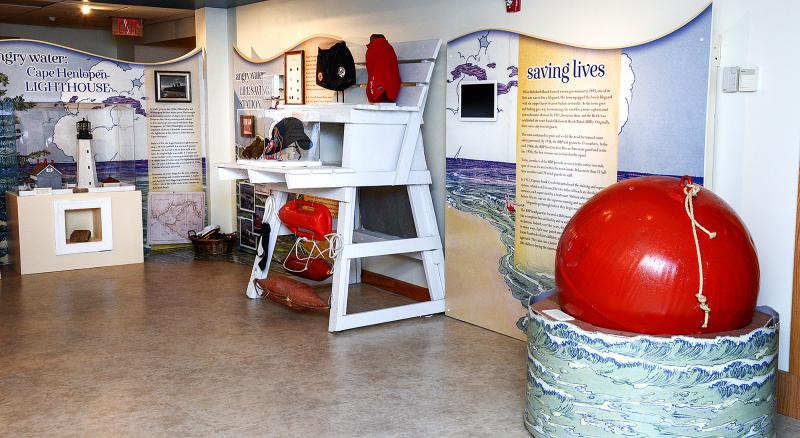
(627,260)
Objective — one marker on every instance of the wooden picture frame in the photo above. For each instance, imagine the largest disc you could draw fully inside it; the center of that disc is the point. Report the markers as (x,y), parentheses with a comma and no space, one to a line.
(247,126)
(173,86)
(294,73)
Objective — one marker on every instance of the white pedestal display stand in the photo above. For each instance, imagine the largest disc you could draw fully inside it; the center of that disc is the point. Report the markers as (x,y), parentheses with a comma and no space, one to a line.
(40,227)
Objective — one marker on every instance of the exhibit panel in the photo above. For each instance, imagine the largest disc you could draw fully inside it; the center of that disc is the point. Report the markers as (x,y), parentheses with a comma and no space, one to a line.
(559,124)
(142,125)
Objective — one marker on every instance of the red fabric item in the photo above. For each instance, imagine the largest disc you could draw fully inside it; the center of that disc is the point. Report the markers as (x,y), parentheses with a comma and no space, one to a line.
(311,220)
(315,269)
(383,73)
(627,261)
(513,5)
(290,293)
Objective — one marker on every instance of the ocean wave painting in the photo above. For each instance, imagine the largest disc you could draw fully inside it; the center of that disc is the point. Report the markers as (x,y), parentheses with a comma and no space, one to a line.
(589,384)
(486,189)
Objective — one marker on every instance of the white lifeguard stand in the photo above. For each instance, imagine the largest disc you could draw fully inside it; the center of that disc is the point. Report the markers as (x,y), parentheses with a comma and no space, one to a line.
(382,146)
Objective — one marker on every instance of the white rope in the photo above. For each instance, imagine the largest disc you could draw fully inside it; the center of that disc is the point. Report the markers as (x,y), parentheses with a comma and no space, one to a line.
(334,248)
(691,190)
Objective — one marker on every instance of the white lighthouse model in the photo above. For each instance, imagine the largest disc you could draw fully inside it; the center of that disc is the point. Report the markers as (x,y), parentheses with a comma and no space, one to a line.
(87,174)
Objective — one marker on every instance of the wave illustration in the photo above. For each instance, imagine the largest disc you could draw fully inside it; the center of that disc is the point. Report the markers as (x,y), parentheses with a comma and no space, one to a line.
(482,188)
(592,384)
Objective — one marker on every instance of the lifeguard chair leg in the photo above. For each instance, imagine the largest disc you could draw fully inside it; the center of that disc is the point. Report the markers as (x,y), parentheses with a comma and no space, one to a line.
(279,198)
(425,224)
(341,268)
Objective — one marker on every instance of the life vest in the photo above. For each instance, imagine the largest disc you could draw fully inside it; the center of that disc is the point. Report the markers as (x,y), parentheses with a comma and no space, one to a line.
(383,72)
(311,220)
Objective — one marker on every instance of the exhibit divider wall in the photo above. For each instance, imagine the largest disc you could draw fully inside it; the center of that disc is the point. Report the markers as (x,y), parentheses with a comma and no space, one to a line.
(558,124)
(145,124)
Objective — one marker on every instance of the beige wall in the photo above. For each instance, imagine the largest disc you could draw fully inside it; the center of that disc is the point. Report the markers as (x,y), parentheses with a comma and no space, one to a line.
(102,42)
(96,41)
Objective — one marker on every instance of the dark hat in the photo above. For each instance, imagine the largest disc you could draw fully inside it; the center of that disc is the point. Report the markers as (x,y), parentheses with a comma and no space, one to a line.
(288,131)
(336,69)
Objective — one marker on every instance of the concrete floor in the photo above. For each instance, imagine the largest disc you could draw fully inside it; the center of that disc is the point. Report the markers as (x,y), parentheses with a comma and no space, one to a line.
(173,348)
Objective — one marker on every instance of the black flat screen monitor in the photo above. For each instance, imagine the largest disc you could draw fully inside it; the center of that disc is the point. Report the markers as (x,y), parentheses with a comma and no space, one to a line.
(479,101)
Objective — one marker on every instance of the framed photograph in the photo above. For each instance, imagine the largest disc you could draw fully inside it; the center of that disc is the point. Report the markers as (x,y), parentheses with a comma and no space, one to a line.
(294,74)
(247,197)
(247,126)
(247,238)
(258,219)
(173,86)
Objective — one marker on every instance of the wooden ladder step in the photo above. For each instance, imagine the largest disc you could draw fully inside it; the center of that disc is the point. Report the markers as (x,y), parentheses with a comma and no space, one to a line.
(399,246)
(354,320)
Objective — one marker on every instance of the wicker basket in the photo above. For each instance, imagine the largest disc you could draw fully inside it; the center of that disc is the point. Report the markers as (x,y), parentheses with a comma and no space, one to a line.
(213,246)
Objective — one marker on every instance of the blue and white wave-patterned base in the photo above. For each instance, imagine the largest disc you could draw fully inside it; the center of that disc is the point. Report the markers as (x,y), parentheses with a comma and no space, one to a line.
(584,383)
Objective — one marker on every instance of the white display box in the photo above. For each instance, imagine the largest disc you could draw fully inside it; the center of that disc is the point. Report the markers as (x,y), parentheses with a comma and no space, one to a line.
(79,214)
(39,227)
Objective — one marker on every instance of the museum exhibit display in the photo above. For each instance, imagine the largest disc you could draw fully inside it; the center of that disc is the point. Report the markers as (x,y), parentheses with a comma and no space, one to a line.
(466,218)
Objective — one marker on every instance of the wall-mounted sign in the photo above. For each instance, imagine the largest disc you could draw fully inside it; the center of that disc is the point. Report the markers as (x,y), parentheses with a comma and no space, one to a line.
(124,26)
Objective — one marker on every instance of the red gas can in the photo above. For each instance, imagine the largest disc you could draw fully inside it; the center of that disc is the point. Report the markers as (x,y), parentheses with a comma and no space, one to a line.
(311,220)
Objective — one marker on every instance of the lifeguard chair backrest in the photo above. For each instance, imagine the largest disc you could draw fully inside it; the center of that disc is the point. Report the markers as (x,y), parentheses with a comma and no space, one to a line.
(311,220)
(416,60)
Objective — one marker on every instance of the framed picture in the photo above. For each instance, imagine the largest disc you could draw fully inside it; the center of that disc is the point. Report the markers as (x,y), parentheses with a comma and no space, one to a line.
(173,86)
(247,238)
(247,126)
(258,219)
(294,74)
(247,197)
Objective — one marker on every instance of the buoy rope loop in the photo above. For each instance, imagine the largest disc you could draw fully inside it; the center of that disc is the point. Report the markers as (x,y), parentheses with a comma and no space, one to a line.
(691,190)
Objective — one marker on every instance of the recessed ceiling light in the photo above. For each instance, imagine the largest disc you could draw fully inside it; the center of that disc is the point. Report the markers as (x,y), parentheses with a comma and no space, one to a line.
(86,9)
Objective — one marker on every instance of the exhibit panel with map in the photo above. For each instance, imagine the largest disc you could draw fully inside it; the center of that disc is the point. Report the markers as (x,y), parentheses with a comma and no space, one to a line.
(144,118)
(558,124)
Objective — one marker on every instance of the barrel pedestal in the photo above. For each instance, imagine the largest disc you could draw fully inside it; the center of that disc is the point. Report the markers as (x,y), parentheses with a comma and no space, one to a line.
(588,381)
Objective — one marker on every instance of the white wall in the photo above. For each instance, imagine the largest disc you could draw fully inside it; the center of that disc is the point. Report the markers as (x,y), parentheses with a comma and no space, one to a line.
(215,32)
(95,41)
(757,136)
(758,140)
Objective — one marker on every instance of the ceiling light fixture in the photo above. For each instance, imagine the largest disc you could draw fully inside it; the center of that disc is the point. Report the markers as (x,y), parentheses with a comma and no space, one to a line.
(86,9)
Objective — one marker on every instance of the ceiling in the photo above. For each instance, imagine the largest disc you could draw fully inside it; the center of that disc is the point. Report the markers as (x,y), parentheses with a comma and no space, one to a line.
(68,13)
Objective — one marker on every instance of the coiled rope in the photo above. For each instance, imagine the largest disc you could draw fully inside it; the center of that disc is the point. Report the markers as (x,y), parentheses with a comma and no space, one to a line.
(691,190)
(334,248)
